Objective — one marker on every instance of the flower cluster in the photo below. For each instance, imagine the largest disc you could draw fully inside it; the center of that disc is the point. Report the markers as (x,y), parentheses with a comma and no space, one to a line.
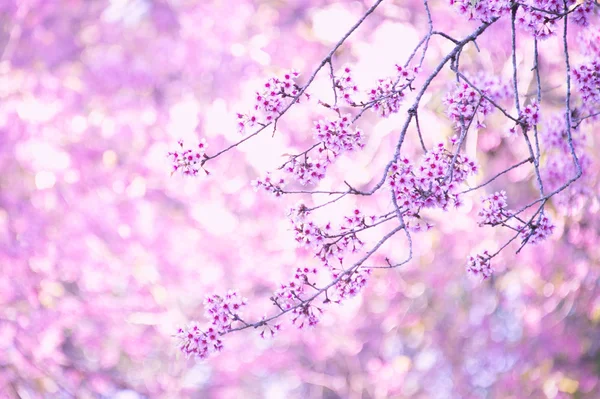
(480,265)
(291,296)
(587,77)
(482,10)
(539,17)
(221,311)
(288,295)
(188,161)
(327,243)
(306,315)
(276,95)
(387,96)
(195,341)
(581,15)
(494,209)
(350,284)
(534,233)
(337,136)
(270,184)
(432,183)
(306,170)
(346,86)
(529,117)
(464,103)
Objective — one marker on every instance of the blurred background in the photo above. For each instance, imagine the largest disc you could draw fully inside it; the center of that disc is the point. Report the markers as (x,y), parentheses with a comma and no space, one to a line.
(104,254)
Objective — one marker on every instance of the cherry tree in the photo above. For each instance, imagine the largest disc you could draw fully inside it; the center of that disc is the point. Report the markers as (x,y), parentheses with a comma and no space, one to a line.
(365,200)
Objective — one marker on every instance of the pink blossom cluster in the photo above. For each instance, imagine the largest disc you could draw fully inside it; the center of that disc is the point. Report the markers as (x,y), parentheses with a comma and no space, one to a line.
(432,183)
(535,233)
(529,117)
(269,103)
(188,161)
(350,284)
(346,86)
(388,95)
(587,78)
(494,209)
(288,295)
(480,265)
(482,10)
(464,103)
(270,184)
(539,17)
(306,315)
(337,136)
(306,170)
(291,296)
(221,311)
(327,243)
